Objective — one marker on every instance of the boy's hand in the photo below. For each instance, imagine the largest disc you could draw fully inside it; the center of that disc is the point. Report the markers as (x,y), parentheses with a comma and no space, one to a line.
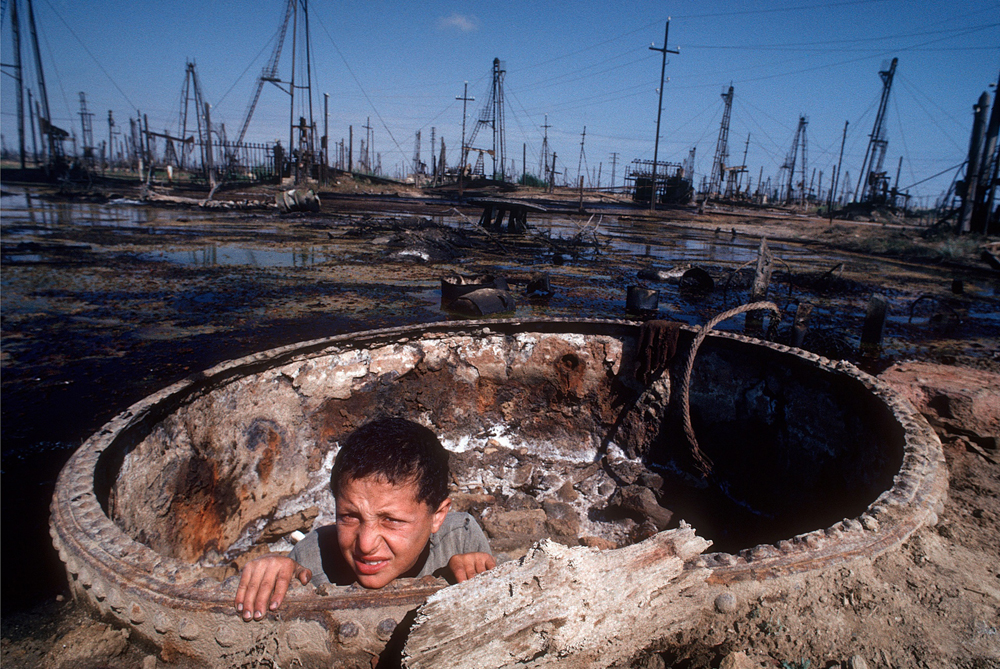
(264,582)
(466,565)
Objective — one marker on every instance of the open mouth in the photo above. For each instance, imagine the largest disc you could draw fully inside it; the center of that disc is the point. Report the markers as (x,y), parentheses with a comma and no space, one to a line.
(369,566)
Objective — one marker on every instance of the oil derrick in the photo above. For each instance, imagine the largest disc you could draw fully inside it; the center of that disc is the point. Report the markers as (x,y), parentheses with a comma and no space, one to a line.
(55,136)
(442,164)
(191,93)
(86,131)
(721,147)
(873,182)
(543,158)
(688,164)
(15,24)
(792,159)
(306,127)
(583,156)
(492,115)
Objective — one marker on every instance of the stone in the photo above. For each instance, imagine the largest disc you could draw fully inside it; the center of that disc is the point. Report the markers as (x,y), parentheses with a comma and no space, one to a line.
(561,519)
(639,503)
(524,522)
(598,542)
(725,603)
(567,492)
(738,660)
(857,662)
(471,502)
(87,646)
(281,527)
(149,662)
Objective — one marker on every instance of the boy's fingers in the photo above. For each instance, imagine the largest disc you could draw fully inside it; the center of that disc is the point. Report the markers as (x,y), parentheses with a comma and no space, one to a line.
(281,584)
(304,575)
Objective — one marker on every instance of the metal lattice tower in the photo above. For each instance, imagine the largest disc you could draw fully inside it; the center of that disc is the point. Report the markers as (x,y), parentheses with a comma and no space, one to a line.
(86,130)
(191,92)
(871,169)
(492,115)
(792,159)
(722,146)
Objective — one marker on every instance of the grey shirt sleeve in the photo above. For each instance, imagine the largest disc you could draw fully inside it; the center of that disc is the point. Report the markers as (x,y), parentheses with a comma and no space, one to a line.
(307,554)
(459,533)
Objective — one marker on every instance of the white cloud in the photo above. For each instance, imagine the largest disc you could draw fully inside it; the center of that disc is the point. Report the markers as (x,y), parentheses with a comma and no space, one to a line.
(464,23)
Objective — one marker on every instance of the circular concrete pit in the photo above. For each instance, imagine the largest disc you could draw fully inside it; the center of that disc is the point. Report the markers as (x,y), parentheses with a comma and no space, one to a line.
(813,463)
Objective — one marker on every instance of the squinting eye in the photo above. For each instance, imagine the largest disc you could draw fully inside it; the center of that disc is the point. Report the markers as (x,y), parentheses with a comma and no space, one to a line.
(347,520)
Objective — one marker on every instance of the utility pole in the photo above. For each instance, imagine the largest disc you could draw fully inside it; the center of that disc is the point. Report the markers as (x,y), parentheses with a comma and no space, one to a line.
(739,175)
(614,164)
(111,137)
(368,145)
(579,164)
(524,162)
(659,110)
(31,123)
(464,152)
(350,148)
(326,131)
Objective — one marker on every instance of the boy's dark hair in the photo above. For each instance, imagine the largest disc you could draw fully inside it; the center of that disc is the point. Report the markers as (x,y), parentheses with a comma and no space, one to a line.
(399,451)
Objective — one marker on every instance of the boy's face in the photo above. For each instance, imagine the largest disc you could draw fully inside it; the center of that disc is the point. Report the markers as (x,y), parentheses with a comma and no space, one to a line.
(382,528)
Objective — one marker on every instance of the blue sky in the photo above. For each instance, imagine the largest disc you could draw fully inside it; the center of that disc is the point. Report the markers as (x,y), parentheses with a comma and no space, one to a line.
(402,64)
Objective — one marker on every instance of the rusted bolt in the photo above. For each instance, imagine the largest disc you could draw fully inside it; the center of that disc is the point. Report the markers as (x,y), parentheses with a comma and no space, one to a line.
(162,623)
(385,629)
(99,592)
(225,636)
(725,603)
(115,601)
(188,630)
(347,630)
(136,614)
(86,578)
(869,523)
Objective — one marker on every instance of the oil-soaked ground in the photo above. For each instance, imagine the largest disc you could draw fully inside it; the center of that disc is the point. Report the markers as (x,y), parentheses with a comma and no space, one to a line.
(104,303)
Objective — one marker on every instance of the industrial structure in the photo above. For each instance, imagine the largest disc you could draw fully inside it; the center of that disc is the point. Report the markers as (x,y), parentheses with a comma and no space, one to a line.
(491,116)
(873,184)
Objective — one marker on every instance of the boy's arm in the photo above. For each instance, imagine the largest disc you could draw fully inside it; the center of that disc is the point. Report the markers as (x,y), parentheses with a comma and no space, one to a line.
(264,582)
(466,565)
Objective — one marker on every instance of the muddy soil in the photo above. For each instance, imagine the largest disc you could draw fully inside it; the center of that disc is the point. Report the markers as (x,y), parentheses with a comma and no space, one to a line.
(106,300)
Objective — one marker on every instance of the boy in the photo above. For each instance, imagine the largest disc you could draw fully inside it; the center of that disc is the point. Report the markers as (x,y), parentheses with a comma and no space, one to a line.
(390,483)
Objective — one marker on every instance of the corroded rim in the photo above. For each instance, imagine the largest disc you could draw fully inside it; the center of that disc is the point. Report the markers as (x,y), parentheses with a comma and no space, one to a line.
(131,583)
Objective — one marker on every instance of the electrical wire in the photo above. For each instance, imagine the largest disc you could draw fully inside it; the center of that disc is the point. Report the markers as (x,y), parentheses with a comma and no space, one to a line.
(89,53)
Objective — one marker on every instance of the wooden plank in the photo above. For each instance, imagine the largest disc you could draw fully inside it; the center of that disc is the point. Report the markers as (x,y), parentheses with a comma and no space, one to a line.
(558,604)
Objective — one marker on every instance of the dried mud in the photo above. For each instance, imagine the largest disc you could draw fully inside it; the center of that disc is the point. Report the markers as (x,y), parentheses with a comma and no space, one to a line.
(105,302)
